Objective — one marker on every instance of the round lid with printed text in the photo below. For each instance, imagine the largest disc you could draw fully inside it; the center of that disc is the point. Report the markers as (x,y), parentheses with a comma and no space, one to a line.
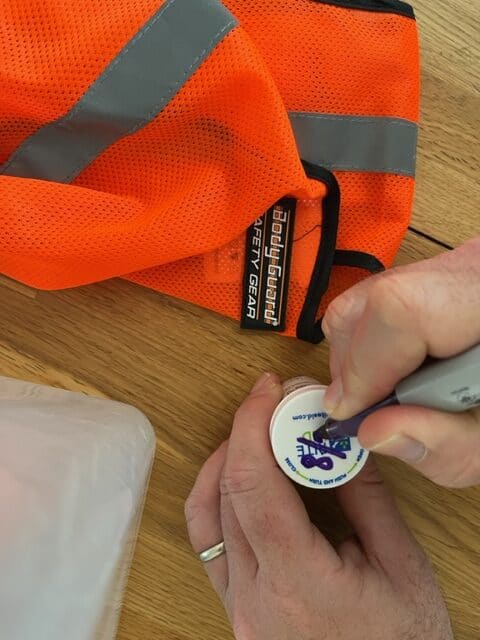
(318,464)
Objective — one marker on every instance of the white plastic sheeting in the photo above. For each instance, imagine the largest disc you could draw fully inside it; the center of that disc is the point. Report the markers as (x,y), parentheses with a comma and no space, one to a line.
(73,476)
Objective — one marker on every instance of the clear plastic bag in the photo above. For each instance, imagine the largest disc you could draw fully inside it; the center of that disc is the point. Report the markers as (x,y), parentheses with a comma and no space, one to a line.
(73,477)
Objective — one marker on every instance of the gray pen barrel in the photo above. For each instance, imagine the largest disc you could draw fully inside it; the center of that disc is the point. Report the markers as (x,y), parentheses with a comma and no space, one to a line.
(452,384)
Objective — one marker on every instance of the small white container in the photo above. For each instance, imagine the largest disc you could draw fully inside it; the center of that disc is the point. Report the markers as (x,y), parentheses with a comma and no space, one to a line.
(322,464)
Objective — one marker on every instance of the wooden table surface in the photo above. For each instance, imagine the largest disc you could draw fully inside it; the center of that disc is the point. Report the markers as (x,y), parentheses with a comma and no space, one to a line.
(188,369)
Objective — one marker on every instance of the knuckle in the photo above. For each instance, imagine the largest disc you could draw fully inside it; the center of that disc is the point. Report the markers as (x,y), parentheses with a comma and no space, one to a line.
(392,298)
(469,472)
(279,587)
(353,374)
(246,411)
(194,507)
(239,480)
(337,315)
(243,627)
(250,409)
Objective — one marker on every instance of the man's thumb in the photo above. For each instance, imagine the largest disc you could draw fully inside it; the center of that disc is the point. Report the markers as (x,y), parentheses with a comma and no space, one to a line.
(445,447)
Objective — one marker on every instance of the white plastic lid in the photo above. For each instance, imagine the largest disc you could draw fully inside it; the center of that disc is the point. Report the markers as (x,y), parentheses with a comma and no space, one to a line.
(319,465)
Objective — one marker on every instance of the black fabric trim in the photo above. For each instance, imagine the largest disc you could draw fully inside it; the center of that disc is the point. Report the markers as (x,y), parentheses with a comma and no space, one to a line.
(308,327)
(383,6)
(359,259)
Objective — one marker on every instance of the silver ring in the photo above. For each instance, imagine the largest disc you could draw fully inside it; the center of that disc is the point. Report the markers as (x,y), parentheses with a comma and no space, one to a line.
(213,552)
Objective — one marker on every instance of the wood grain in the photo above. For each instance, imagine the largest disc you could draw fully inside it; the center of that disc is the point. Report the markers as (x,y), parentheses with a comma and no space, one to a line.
(447,205)
(188,369)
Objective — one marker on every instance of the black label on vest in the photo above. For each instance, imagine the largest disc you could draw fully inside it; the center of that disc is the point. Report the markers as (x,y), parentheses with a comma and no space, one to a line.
(267,268)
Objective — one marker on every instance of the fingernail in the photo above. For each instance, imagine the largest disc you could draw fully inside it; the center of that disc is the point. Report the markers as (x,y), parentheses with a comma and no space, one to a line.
(402,447)
(333,396)
(264,383)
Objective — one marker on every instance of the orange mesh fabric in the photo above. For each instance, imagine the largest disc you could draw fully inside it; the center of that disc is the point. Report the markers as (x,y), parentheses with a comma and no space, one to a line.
(170,204)
(324,59)
(178,187)
(332,59)
(51,52)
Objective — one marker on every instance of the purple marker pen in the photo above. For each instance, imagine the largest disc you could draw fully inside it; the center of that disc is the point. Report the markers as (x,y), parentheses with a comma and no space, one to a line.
(349,428)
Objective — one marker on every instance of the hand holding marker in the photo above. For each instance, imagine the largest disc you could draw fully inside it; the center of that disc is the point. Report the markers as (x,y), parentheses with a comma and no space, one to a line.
(452,384)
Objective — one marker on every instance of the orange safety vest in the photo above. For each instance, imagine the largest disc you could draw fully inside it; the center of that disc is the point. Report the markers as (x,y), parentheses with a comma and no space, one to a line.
(255,157)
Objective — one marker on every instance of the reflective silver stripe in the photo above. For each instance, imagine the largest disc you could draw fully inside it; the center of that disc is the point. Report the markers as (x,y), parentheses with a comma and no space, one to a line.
(134,88)
(357,143)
